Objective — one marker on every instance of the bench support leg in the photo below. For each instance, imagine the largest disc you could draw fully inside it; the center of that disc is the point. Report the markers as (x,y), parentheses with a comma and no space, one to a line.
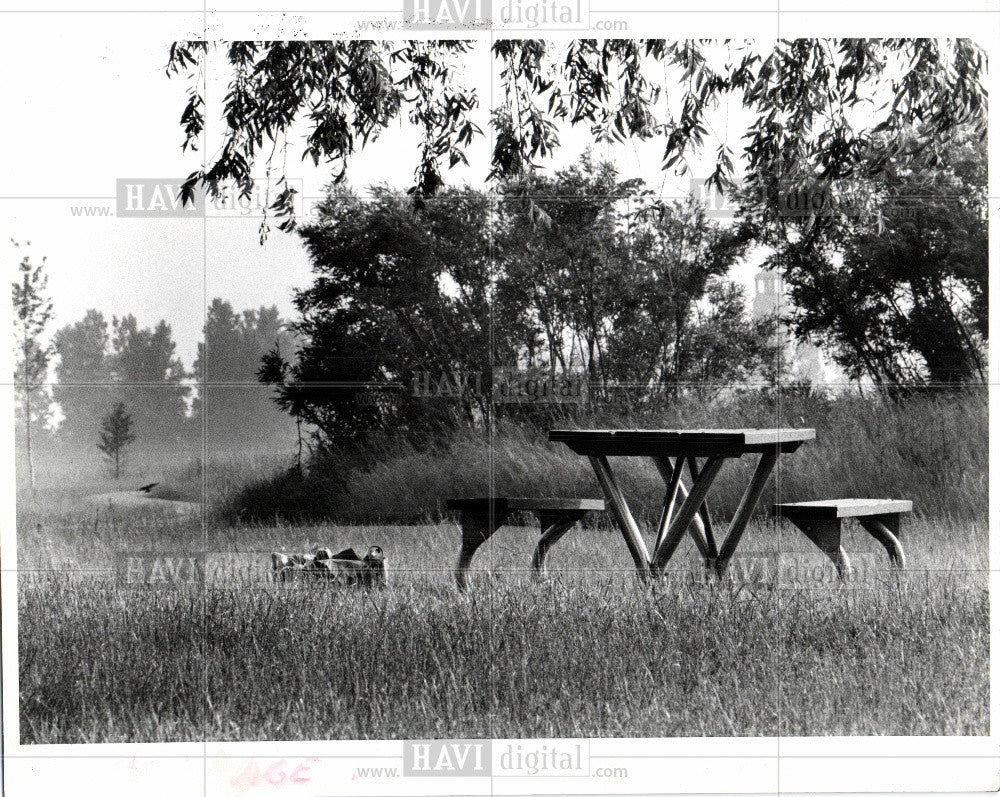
(826,535)
(554,526)
(477,528)
(885,529)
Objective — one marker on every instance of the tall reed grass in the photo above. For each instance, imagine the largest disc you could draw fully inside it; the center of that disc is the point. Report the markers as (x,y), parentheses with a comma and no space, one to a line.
(932,449)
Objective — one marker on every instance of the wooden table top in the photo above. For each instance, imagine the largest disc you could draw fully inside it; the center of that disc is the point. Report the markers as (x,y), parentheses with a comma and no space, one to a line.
(680,442)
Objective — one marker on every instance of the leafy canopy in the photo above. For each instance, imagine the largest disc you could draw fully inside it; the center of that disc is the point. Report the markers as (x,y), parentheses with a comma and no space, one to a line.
(411,309)
(902,299)
(821,108)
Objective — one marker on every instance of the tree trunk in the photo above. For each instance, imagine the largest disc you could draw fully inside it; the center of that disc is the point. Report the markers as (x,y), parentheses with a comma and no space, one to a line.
(678,336)
(27,433)
(298,455)
(117,469)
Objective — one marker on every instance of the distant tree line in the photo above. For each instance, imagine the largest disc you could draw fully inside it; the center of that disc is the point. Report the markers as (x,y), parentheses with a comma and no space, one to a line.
(236,409)
(99,366)
(118,383)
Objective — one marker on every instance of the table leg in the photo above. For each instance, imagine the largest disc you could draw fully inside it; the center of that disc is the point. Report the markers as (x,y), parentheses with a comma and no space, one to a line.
(697,529)
(745,509)
(671,474)
(699,489)
(619,507)
(711,552)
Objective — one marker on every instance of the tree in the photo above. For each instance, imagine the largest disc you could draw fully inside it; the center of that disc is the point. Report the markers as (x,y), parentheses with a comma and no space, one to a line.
(561,246)
(136,366)
(235,407)
(149,378)
(401,295)
(901,300)
(822,108)
(616,283)
(681,322)
(32,313)
(411,308)
(83,377)
(116,434)
(723,346)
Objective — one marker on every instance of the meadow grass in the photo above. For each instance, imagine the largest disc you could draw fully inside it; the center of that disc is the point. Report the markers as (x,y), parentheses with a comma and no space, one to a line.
(932,449)
(778,648)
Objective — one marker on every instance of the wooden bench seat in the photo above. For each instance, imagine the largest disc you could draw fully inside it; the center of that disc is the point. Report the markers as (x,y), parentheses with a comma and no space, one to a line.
(481,517)
(821,522)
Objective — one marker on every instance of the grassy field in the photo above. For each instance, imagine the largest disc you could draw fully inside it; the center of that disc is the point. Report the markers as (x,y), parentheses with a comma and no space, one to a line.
(779,648)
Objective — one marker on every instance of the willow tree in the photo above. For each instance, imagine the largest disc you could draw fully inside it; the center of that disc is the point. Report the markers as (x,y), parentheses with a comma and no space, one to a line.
(820,108)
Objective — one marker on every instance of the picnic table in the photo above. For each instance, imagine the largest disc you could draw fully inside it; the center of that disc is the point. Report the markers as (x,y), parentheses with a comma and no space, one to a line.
(670,450)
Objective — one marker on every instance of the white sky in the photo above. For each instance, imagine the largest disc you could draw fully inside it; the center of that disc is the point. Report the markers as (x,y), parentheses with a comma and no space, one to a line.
(114,114)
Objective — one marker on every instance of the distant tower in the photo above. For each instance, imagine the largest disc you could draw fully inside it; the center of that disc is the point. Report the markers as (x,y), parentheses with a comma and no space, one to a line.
(767,293)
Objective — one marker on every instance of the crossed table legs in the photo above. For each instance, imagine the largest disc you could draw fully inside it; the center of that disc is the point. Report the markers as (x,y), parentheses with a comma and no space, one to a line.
(692,515)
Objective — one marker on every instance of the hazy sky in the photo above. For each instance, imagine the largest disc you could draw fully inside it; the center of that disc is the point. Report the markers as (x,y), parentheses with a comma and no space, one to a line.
(115,115)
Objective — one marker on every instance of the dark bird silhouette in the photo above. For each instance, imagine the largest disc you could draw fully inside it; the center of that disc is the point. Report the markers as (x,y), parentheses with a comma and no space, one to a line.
(146,488)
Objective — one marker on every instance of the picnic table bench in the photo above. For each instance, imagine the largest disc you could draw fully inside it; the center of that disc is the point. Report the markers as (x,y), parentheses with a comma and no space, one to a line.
(671,450)
(685,510)
(481,517)
(821,521)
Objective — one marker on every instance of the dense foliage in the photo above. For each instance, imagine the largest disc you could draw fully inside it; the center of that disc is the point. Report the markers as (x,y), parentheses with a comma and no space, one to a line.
(901,298)
(415,309)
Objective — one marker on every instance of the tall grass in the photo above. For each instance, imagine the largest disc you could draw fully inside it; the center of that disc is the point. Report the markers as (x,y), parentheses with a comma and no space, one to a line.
(589,652)
(561,659)
(931,449)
